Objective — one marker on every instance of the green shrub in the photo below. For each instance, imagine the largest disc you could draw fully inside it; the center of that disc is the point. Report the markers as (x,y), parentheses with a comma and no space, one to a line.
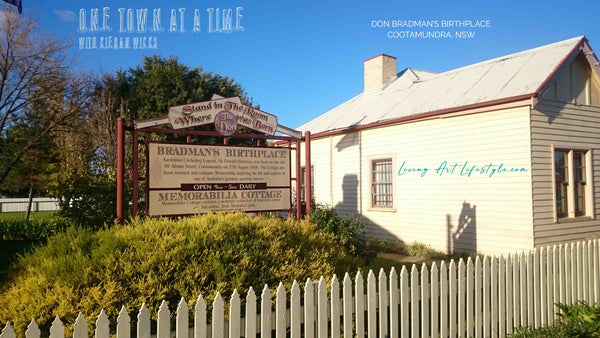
(349,230)
(579,320)
(154,259)
(34,229)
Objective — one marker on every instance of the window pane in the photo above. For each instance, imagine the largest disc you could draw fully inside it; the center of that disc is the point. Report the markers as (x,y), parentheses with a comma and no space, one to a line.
(561,181)
(579,184)
(381,186)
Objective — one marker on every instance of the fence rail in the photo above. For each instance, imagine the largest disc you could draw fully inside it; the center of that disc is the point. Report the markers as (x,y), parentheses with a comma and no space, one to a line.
(20,204)
(487,297)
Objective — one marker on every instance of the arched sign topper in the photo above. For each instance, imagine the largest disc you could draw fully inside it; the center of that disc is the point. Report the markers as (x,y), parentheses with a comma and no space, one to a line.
(188,178)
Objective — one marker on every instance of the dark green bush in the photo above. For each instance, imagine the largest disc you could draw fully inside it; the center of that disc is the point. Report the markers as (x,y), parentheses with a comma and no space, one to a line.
(579,320)
(349,230)
(34,229)
(155,259)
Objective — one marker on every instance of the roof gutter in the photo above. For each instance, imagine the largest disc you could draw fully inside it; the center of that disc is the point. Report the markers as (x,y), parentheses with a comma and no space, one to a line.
(527,98)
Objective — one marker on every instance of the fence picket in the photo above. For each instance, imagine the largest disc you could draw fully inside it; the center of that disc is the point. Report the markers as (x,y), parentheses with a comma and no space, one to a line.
(295,311)
(360,304)
(404,301)
(102,325)
(280,312)
(371,305)
(322,322)
(452,310)
(549,285)
(573,265)
(218,317)
(517,290)
(461,297)
(470,297)
(335,307)
(143,322)
(425,319)
(478,298)
(586,271)
(33,330)
(523,289)
(394,303)
(414,301)
(567,274)
(123,324)
(235,312)
(265,313)
(555,283)
(535,287)
(579,278)
(309,309)
(200,328)
(383,302)
(9,332)
(509,295)
(348,307)
(563,274)
(435,300)
(494,297)
(543,287)
(182,321)
(250,313)
(530,286)
(500,308)
(80,327)
(486,297)
(57,330)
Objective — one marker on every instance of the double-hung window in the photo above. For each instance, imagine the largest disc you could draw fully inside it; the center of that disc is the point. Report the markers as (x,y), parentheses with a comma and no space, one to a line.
(570,183)
(382,193)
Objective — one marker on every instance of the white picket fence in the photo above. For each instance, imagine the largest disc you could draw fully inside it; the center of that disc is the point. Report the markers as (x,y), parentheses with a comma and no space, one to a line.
(482,298)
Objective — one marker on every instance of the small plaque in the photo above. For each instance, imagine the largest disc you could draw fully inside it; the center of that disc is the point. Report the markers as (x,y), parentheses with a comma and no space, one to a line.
(226,123)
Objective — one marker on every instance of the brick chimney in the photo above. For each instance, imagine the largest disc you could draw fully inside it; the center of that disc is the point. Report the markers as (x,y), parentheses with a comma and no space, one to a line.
(379,72)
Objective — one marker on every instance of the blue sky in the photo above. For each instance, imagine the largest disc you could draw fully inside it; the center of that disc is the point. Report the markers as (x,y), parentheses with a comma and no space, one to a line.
(299,59)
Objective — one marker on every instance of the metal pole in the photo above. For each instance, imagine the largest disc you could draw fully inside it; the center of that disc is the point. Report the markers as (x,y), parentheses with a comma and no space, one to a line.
(298,174)
(120,167)
(308,179)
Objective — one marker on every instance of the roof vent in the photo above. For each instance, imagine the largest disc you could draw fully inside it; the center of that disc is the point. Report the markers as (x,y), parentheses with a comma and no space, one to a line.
(379,72)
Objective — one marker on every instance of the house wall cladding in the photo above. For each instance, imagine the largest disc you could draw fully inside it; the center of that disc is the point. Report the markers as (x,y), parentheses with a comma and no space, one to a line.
(562,125)
(449,211)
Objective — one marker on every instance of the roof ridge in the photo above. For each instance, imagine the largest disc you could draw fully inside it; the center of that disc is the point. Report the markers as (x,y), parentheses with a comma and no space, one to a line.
(511,56)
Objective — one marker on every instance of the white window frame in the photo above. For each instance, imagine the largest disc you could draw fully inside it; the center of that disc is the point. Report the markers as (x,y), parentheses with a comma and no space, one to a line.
(589,183)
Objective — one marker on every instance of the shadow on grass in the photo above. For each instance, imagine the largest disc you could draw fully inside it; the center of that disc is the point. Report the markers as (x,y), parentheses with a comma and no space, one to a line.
(9,253)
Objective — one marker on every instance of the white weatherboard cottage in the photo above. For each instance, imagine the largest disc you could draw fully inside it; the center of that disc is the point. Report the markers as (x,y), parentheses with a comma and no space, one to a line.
(498,156)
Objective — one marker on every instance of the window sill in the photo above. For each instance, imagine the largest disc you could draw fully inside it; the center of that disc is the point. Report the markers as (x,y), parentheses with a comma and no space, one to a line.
(574,219)
(381,209)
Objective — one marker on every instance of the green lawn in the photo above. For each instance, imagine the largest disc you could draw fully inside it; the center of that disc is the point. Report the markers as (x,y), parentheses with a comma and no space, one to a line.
(4,216)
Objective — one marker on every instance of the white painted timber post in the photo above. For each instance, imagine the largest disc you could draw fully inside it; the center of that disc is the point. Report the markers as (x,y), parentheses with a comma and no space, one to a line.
(235,315)
(280,312)
(123,324)
(80,327)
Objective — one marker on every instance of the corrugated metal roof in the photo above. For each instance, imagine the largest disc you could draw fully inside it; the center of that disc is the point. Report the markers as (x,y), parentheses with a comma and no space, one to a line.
(417,92)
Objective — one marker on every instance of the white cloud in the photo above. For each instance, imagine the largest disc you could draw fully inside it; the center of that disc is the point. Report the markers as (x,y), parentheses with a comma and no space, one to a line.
(65,15)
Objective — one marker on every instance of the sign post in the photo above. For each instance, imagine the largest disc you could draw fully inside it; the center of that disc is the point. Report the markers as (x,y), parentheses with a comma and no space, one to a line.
(190,178)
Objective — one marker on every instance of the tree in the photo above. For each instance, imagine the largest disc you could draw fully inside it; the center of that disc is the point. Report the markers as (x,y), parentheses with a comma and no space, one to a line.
(33,75)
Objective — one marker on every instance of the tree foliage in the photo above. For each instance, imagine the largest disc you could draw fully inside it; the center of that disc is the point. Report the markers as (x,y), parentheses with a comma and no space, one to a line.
(33,75)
